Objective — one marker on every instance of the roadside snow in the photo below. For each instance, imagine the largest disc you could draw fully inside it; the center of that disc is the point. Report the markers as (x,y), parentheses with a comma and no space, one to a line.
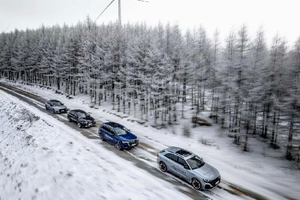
(41,158)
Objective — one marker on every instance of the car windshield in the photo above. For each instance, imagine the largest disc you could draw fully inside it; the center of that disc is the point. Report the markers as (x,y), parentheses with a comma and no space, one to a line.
(57,103)
(121,131)
(195,162)
(82,115)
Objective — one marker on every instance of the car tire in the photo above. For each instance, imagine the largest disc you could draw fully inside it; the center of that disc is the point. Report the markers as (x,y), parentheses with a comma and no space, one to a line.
(196,184)
(119,146)
(69,119)
(101,136)
(53,111)
(79,125)
(46,107)
(162,166)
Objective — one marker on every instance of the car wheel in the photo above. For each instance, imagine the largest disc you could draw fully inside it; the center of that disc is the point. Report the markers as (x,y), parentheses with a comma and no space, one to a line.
(53,111)
(101,136)
(162,166)
(196,184)
(119,146)
(69,119)
(46,107)
(79,125)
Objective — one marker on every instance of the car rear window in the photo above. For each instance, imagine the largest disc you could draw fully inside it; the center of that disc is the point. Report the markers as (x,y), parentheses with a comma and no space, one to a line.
(105,128)
(172,157)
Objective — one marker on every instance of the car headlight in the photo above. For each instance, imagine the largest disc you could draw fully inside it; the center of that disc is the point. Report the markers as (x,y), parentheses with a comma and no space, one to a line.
(206,180)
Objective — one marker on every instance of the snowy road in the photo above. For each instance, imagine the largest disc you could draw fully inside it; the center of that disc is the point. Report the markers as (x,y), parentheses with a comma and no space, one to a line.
(144,156)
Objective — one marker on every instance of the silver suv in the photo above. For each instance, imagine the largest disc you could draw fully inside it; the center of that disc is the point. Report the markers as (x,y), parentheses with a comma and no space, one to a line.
(189,167)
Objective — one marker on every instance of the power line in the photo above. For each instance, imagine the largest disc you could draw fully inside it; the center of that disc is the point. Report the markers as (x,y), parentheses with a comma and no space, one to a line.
(105,9)
(7,28)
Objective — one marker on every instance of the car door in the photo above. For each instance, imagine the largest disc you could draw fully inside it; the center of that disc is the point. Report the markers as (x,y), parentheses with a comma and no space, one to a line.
(49,105)
(112,136)
(74,116)
(108,135)
(171,162)
(183,168)
(102,130)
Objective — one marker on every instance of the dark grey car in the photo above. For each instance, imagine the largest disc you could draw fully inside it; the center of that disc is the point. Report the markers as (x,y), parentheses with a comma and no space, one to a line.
(189,167)
(81,118)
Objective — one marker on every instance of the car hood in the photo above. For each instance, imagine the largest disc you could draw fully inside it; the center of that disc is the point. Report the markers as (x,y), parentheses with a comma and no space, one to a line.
(207,171)
(59,107)
(127,137)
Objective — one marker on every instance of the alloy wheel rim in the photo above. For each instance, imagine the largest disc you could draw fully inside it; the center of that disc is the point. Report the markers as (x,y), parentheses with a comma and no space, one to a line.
(162,166)
(196,184)
(118,146)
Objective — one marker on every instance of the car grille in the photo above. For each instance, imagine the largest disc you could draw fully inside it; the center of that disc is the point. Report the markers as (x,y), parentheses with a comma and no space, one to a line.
(213,182)
(62,110)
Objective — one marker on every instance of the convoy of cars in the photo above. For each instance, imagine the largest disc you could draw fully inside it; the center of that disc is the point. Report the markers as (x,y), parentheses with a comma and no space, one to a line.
(177,161)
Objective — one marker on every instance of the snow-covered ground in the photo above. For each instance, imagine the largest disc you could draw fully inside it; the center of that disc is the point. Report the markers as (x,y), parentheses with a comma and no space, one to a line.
(41,158)
(261,170)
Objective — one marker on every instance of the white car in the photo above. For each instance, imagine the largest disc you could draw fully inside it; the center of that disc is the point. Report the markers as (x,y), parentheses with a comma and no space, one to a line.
(56,106)
(189,167)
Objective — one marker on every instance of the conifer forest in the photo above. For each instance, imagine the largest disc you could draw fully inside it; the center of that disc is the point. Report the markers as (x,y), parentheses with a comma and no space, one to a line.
(251,88)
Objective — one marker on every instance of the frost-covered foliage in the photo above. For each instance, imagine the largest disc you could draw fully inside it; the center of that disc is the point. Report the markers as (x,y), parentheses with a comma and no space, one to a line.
(249,88)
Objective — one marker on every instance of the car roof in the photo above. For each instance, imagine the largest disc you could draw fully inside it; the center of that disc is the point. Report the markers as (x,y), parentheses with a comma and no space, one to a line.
(179,151)
(173,149)
(113,124)
(78,110)
(54,100)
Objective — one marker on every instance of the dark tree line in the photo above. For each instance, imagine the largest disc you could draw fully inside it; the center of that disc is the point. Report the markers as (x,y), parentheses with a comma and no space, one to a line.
(156,72)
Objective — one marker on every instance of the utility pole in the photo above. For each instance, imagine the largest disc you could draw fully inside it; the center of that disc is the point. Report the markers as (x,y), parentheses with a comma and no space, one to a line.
(120,21)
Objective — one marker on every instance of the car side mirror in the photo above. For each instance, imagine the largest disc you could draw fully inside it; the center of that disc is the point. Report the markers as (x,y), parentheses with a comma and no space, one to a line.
(186,167)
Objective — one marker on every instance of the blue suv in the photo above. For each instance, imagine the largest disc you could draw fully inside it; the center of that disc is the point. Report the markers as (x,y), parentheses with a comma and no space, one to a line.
(118,135)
